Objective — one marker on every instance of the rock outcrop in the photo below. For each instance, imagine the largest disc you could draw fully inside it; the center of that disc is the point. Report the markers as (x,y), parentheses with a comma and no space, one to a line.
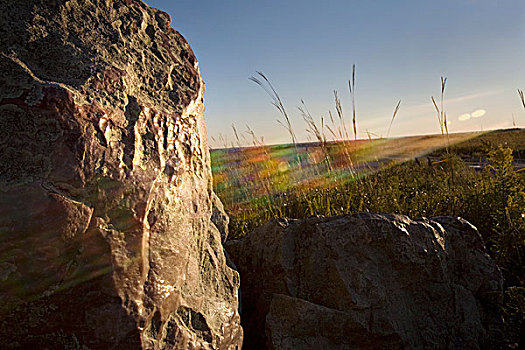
(366,281)
(105,184)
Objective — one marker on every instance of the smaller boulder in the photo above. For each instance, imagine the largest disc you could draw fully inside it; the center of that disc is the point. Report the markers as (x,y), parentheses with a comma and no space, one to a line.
(366,281)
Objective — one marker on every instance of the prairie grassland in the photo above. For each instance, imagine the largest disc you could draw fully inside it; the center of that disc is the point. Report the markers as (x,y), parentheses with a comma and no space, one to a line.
(262,182)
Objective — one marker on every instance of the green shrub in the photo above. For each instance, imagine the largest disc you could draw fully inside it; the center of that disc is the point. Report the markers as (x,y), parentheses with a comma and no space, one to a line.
(505,197)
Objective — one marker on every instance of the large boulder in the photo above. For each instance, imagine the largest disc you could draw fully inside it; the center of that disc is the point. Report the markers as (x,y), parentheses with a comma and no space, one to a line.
(366,281)
(105,184)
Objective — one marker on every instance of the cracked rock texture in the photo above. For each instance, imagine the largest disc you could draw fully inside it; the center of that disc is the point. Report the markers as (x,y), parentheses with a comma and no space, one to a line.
(106,201)
(366,281)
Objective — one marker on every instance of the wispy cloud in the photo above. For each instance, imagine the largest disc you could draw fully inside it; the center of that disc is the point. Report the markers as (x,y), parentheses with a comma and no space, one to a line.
(474,96)
(424,107)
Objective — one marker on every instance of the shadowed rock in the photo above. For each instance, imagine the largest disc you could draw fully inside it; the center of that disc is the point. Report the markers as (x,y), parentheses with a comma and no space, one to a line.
(366,281)
(105,184)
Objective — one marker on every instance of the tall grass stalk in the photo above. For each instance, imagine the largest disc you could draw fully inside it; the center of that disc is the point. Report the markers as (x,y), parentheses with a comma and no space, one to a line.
(441,114)
(237,138)
(317,132)
(255,140)
(393,117)
(277,102)
(351,87)
(221,140)
(339,110)
(343,131)
(443,123)
(333,128)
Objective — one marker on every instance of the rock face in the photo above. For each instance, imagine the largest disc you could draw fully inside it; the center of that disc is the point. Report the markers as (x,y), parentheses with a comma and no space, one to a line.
(105,184)
(365,281)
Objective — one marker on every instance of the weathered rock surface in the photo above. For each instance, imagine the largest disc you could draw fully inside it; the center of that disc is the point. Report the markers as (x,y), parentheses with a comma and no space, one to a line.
(105,184)
(366,281)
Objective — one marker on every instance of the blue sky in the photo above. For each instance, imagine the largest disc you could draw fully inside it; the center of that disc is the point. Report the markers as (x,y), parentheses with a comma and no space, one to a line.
(400,48)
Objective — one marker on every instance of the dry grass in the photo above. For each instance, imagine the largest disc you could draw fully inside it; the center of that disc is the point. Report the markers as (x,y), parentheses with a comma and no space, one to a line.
(351,87)
(441,114)
(277,102)
(393,117)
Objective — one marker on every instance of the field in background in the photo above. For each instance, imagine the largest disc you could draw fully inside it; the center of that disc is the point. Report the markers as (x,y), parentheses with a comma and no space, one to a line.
(259,183)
